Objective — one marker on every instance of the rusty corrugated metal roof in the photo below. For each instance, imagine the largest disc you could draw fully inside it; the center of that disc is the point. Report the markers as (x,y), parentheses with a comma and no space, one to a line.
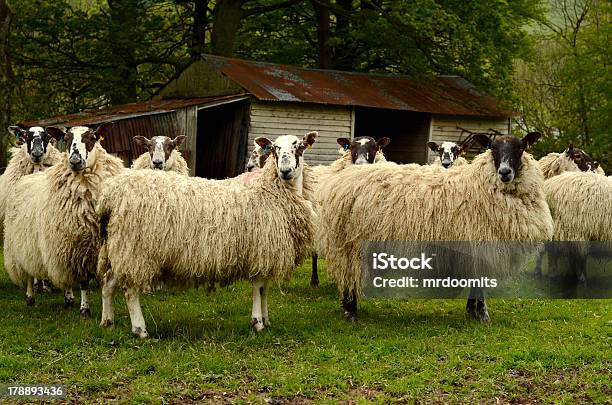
(121,112)
(450,95)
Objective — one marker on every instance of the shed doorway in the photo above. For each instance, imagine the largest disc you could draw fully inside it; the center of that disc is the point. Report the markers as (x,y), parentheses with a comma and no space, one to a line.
(409,132)
(222,133)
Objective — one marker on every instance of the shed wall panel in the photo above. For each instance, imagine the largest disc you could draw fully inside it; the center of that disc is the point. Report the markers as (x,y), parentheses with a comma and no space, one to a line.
(272,119)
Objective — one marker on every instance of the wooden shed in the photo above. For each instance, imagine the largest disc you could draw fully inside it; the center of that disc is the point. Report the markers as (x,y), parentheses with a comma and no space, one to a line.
(223,104)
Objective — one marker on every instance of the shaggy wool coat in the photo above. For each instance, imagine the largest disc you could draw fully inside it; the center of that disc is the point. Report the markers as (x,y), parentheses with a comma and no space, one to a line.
(190,231)
(388,202)
(52,231)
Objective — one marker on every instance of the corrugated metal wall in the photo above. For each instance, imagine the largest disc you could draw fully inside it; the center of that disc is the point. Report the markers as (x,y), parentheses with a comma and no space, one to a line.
(272,119)
(121,143)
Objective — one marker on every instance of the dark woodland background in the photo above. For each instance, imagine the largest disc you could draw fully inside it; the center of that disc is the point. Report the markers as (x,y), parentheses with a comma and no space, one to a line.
(549,59)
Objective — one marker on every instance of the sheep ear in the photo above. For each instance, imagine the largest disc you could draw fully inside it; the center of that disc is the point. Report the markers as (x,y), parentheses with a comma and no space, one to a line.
(433,146)
(309,139)
(531,138)
(382,142)
(594,165)
(56,132)
(141,140)
(570,149)
(17,131)
(178,140)
(104,130)
(345,143)
(263,142)
(483,140)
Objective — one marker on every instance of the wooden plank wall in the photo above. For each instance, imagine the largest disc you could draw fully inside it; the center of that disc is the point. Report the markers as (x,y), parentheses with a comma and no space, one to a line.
(444,128)
(272,119)
(188,125)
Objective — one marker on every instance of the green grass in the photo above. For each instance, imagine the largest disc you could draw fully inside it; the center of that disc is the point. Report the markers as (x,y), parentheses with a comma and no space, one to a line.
(202,349)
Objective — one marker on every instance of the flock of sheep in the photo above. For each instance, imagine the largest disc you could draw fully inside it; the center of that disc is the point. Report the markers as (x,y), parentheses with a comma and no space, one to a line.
(70,217)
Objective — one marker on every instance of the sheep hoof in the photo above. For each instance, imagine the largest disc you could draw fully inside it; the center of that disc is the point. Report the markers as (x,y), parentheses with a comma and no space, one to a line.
(141,333)
(30,300)
(314,283)
(257,325)
(85,313)
(68,302)
(266,322)
(107,323)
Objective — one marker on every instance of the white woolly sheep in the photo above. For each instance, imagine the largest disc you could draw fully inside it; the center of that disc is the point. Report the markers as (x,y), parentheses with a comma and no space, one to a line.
(51,228)
(449,153)
(502,188)
(359,151)
(571,160)
(162,154)
(36,154)
(194,233)
(581,207)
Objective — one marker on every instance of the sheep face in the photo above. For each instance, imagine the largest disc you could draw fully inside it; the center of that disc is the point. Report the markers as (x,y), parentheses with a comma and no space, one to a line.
(160,149)
(507,152)
(363,149)
(447,151)
(258,157)
(288,151)
(584,162)
(80,146)
(36,140)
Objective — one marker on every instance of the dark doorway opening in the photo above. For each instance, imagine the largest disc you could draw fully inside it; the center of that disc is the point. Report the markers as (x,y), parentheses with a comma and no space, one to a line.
(222,140)
(409,132)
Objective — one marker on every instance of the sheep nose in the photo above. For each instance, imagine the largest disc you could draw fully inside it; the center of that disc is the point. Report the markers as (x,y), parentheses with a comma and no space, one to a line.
(37,154)
(446,164)
(504,171)
(158,163)
(285,173)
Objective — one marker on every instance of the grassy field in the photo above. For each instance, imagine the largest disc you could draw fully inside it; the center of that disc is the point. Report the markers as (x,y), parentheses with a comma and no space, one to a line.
(419,351)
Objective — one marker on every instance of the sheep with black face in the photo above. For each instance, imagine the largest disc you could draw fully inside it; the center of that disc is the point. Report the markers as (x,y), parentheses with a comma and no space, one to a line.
(499,196)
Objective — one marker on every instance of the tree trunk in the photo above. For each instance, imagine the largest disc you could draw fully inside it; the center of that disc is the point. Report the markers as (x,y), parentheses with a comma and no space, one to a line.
(124,16)
(227,16)
(198,33)
(321,8)
(6,81)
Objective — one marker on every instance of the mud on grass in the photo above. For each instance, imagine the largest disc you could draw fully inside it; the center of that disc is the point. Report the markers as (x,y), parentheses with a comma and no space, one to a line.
(202,349)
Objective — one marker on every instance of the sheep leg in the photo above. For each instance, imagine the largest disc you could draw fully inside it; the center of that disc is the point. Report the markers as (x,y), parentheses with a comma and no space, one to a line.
(30,300)
(138,323)
(84,309)
(256,315)
(108,293)
(68,298)
(349,305)
(314,277)
(264,303)
(476,305)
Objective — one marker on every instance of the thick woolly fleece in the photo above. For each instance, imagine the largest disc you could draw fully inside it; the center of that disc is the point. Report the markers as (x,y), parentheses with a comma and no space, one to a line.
(581,206)
(190,231)
(19,166)
(387,202)
(554,164)
(175,163)
(51,228)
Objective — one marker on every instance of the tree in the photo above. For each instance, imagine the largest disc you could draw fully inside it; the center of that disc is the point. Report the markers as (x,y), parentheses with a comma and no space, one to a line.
(564,91)
(6,81)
